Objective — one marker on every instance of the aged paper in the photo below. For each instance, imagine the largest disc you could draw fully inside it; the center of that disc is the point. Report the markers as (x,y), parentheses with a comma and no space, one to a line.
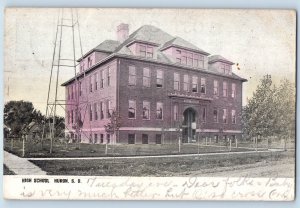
(149,104)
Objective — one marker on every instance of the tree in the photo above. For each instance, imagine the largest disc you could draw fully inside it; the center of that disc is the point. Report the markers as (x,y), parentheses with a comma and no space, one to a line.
(271,110)
(18,114)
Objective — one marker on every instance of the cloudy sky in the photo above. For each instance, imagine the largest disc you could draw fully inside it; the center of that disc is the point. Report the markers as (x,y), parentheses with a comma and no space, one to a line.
(261,41)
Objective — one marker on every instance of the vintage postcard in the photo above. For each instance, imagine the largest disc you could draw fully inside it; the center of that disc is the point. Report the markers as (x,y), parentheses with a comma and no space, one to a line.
(149,104)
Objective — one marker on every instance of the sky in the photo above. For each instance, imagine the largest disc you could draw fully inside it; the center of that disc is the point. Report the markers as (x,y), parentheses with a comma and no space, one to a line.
(260,41)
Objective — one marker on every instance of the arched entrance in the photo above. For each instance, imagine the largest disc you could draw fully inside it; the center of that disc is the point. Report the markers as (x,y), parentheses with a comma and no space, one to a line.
(189,125)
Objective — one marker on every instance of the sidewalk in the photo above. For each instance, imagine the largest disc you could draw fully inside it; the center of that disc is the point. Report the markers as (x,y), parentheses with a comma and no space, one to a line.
(21,166)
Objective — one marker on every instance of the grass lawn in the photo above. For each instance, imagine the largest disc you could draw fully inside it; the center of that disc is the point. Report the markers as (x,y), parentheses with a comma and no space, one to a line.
(180,166)
(97,150)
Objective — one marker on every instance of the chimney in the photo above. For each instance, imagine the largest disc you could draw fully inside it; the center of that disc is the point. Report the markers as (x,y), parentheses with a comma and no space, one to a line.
(122,32)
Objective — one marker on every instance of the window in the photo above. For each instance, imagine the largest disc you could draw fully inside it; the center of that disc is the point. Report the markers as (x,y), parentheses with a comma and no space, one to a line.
(176,82)
(72,116)
(175,112)
(186,83)
(233,117)
(159,110)
(101,138)
(131,138)
(80,88)
(102,79)
(95,111)
(132,75)
(189,59)
(183,57)
(146,77)
(96,81)
(131,109)
(225,89)
(233,90)
(91,84)
(201,61)
(108,109)
(225,68)
(149,52)
(72,91)
(216,87)
(144,138)
(158,139)
(204,114)
(178,56)
(146,110)
(108,76)
(215,114)
(216,138)
(225,115)
(90,112)
(89,61)
(95,138)
(101,110)
(203,85)
(143,50)
(198,61)
(195,84)
(159,78)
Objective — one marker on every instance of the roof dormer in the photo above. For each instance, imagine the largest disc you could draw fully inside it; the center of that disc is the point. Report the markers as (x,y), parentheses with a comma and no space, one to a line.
(143,49)
(220,64)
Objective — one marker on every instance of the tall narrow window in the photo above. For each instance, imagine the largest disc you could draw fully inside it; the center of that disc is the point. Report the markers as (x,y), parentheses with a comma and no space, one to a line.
(186,83)
(72,116)
(95,138)
(96,81)
(95,111)
(91,84)
(108,109)
(216,87)
(143,50)
(69,117)
(159,110)
(149,52)
(102,78)
(108,76)
(225,89)
(203,85)
(108,139)
(201,61)
(146,110)
(144,138)
(80,88)
(176,81)
(101,110)
(225,115)
(90,112)
(196,60)
(178,56)
(89,62)
(158,139)
(131,109)
(72,92)
(132,75)
(215,114)
(175,111)
(204,114)
(233,116)
(184,57)
(146,77)
(190,59)
(159,78)
(195,84)
(233,90)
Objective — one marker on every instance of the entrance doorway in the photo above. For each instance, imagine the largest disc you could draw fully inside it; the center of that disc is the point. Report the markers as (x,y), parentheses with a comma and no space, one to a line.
(189,126)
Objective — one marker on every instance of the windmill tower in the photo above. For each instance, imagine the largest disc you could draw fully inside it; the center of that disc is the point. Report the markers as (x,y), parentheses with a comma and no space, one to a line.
(67,45)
